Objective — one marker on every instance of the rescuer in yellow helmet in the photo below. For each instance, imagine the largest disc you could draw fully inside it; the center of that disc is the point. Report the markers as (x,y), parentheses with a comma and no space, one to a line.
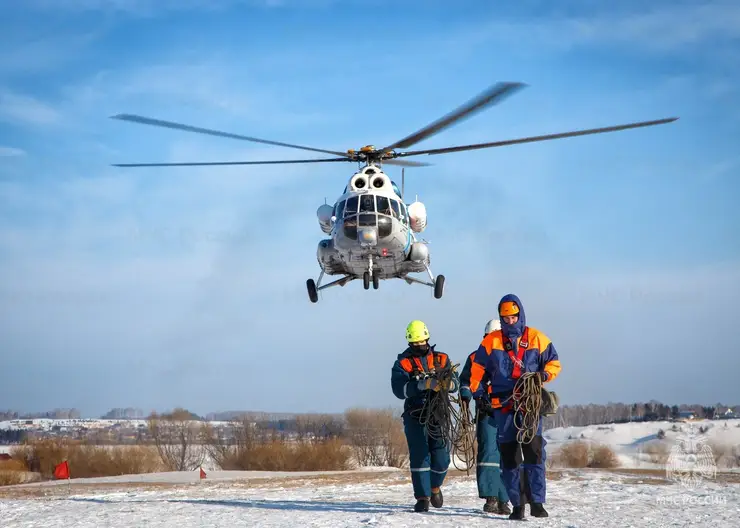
(418,373)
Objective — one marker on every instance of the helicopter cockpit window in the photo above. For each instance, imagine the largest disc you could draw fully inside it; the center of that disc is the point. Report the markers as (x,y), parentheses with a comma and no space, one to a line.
(399,212)
(351,207)
(404,214)
(395,208)
(385,226)
(367,203)
(339,209)
(384,206)
(350,227)
(367,220)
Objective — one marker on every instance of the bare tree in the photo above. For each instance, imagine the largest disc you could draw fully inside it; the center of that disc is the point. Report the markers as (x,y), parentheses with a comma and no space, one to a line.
(178,438)
(376,437)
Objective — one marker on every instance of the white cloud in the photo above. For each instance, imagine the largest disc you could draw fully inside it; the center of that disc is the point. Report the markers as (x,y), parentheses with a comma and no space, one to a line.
(10,152)
(25,110)
(667,27)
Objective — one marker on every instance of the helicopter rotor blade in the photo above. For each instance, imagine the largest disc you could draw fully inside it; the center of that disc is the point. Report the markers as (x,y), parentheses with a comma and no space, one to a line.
(169,124)
(538,138)
(215,163)
(488,97)
(406,163)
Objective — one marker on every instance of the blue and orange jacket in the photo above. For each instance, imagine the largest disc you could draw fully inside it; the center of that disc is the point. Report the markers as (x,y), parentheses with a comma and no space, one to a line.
(484,387)
(492,362)
(403,380)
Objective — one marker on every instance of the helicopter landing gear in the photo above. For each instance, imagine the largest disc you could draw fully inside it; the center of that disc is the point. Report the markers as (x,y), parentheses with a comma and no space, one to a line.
(437,284)
(369,275)
(315,287)
(313,293)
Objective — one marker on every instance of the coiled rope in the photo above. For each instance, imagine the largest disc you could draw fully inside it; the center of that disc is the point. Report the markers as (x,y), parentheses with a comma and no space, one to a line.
(464,445)
(441,420)
(436,414)
(527,403)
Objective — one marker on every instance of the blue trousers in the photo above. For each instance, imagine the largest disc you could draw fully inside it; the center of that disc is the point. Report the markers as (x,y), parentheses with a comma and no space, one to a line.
(429,458)
(488,468)
(531,458)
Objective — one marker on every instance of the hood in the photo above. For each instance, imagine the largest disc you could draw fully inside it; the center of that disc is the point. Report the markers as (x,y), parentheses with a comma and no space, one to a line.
(515,330)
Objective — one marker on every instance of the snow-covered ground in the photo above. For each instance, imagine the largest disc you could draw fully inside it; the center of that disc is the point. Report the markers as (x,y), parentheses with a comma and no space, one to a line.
(383,496)
(382,499)
(631,441)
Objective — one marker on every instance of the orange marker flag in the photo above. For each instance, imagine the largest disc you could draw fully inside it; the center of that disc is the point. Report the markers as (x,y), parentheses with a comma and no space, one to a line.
(202,473)
(61,471)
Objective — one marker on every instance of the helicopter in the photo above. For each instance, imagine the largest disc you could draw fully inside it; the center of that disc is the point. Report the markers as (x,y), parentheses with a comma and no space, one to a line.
(372,232)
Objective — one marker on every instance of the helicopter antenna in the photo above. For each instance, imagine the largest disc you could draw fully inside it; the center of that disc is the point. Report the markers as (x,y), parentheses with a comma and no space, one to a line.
(403,181)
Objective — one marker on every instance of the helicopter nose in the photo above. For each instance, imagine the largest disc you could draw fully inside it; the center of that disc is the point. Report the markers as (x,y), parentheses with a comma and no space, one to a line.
(368,236)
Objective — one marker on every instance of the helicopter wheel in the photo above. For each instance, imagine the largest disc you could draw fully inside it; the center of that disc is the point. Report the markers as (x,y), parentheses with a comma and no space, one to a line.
(366,280)
(312,293)
(376,282)
(439,286)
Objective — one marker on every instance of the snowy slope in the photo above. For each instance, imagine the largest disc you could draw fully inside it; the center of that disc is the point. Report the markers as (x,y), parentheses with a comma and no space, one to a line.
(582,498)
(630,440)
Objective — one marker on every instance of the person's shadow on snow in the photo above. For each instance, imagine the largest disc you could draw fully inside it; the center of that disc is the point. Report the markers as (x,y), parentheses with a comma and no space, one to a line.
(297,505)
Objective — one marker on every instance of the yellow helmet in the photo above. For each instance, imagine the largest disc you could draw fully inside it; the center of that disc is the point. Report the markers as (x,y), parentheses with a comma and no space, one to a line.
(416,331)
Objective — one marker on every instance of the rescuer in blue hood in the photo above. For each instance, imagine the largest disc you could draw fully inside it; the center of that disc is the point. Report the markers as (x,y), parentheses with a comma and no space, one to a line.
(502,357)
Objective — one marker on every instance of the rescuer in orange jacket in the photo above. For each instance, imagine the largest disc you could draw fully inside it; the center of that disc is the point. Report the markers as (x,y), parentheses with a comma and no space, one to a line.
(413,380)
(502,357)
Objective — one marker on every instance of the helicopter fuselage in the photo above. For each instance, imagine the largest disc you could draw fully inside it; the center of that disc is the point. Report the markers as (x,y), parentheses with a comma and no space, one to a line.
(372,229)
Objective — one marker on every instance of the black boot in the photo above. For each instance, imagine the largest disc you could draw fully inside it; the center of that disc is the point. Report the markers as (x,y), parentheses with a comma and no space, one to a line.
(503,508)
(422,505)
(536,509)
(517,514)
(491,505)
(437,499)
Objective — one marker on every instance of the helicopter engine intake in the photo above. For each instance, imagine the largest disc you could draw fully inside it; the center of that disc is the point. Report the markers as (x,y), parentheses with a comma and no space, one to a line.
(325,214)
(419,252)
(417,216)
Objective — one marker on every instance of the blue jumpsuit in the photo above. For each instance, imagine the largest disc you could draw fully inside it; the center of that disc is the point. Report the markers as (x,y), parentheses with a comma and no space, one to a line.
(429,458)
(488,458)
(502,357)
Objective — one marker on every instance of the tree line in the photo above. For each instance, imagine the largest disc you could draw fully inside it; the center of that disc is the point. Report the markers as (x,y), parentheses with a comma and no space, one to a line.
(591,414)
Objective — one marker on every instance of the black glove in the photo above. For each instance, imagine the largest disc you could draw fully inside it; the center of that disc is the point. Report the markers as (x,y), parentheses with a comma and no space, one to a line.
(482,405)
(543,376)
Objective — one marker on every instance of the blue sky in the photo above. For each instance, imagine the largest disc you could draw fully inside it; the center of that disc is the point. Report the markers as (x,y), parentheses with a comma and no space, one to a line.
(158,288)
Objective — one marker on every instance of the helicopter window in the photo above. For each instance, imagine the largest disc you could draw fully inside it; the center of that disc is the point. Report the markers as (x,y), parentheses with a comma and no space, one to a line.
(396,210)
(350,228)
(351,207)
(385,226)
(384,206)
(367,220)
(367,203)
(339,209)
(404,213)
